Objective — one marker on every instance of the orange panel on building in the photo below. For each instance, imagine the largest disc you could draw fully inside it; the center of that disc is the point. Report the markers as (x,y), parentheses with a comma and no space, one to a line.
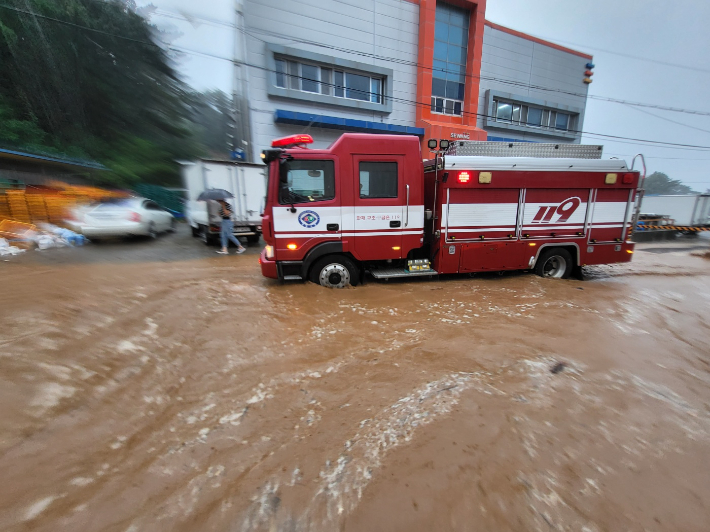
(449,126)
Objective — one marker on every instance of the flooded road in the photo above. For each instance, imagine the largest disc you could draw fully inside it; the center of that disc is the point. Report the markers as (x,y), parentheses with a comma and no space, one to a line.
(197,395)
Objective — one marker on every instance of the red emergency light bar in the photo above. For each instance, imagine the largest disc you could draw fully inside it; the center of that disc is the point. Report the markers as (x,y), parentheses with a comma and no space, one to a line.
(291,141)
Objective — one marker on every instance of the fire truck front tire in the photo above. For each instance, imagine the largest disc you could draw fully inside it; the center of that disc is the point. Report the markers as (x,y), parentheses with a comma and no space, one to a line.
(335,271)
(555,263)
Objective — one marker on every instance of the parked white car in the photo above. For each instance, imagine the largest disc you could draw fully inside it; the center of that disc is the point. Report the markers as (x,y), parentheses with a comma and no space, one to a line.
(122,217)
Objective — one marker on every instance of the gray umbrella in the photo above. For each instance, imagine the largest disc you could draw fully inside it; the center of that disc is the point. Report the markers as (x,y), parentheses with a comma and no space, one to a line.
(215,194)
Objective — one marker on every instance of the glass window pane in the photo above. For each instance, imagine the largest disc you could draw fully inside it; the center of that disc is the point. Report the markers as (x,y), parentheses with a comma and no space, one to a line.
(339,84)
(375,90)
(545,118)
(458,17)
(326,86)
(534,116)
(454,76)
(438,87)
(457,108)
(505,111)
(433,105)
(307,181)
(516,113)
(456,36)
(293,75)
(562,121)
(378,180)
(357,87)
(461,91)
(439,105)
(452,90)
(281,73)
(440,50)
(441,31)
(439,68)
(309,78)
(524,114)
(442,14)
(456,54)
(449,107)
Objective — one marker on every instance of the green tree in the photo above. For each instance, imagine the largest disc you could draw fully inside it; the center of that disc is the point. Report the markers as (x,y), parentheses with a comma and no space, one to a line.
(85,77)
(660,183)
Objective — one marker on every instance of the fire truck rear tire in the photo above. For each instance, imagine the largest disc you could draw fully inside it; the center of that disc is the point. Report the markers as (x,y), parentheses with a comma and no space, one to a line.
(335,271)
(555,263)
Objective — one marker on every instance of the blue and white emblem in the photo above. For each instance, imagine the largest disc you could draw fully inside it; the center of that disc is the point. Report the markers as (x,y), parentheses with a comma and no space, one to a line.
(308,219)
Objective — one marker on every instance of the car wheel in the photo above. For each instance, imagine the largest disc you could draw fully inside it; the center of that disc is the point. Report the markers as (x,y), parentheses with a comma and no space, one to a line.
(152,232)
(195,231)
(253,239)
(335,271)
(555,263)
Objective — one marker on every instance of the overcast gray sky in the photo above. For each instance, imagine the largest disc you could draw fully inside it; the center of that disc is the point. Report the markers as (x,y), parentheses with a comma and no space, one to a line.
(663,32)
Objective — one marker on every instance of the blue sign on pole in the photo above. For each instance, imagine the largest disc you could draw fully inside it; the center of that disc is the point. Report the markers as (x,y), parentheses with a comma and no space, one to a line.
(238,155)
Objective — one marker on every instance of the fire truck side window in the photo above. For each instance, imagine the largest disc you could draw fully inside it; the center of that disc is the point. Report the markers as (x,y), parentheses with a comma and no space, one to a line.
(305,181)
(378,180)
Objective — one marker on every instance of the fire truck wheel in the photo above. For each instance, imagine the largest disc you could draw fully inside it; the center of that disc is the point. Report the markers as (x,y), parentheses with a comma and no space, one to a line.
(335,271)
(556,263)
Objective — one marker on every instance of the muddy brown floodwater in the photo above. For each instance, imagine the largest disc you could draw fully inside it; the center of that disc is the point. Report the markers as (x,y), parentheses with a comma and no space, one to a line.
(197,395)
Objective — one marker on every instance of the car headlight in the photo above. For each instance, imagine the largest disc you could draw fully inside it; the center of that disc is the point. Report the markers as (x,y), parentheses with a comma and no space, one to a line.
(269,252)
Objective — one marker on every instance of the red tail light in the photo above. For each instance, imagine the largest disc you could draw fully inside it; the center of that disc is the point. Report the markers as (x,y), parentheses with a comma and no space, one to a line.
(464,177)
(134,217)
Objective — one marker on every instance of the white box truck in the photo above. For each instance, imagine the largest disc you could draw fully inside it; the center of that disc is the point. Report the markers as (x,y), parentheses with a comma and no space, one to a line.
(686,210)
(246,181)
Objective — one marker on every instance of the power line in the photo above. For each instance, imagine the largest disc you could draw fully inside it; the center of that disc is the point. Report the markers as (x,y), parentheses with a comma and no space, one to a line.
(672,121)
(662,144)
(180,15)
(471,76)
(374,56)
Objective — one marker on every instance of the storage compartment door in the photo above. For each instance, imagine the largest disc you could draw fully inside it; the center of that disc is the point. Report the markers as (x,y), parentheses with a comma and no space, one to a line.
(553,213)
(610,207)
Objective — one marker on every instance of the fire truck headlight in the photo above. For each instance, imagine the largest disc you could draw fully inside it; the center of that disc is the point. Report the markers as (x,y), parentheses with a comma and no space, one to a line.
(269,252)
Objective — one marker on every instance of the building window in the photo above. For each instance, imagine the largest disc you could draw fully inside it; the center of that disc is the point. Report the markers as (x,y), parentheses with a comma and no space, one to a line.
(509,112)
(449,67)
(378,180)
(562,121)
(322,80)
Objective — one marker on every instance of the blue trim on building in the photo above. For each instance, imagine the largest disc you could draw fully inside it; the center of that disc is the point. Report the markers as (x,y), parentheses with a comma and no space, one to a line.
(503,139)
(282,116)
(68,162)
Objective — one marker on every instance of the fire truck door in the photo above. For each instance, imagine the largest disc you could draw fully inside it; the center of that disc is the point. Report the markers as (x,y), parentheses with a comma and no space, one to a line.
(309,209)
(379,207)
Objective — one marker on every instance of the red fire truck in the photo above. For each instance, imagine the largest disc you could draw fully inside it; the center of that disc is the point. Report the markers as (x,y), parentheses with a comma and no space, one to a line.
(369,203)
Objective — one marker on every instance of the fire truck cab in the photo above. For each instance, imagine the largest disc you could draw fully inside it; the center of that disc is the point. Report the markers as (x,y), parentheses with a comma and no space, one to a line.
(369,202)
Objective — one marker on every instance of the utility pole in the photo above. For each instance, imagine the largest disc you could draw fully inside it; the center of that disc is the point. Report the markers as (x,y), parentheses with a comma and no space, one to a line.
(241,145)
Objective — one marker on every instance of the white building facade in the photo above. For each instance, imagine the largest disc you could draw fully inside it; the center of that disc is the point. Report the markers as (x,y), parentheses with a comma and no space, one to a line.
(420,67)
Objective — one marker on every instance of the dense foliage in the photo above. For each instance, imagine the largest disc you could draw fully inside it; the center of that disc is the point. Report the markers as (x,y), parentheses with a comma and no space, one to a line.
(660,183)
(86,79)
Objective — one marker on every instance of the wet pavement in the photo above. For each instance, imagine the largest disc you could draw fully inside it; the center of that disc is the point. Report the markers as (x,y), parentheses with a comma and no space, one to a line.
(157,386)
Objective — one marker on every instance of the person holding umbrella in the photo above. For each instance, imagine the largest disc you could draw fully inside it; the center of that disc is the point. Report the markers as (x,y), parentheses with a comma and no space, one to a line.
(225,212)
(226,231)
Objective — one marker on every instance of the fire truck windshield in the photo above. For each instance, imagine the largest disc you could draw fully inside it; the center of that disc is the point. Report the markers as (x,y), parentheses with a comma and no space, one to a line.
(305,181)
